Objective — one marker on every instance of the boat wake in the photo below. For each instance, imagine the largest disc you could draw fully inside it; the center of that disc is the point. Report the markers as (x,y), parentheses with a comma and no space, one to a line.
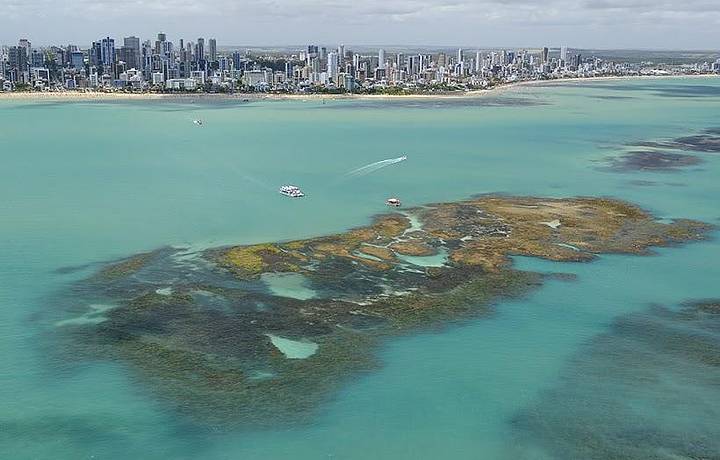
(373,167)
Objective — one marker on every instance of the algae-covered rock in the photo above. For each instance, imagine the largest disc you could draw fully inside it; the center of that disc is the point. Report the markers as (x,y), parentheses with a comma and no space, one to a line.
(197,332)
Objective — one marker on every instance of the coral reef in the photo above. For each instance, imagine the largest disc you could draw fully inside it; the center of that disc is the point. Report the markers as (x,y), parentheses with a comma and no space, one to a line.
(651,160)
(666,365)
(200,334)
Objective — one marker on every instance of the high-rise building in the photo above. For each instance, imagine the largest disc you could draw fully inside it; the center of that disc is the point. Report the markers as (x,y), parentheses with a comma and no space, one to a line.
(563,53)
(332,65)
(161,39)
(237,60)
(312,53)
(130,52)
(442,60)
(25,44)
(37,59)
(107,51)
(17,58)
(95,54)
(146,55)
(413,65)
(77,60)
(381,58)
(200,50)
(460,67)
(132,42)
(166,50)
(545,56)
(212,49)
(289,69)
(130,56)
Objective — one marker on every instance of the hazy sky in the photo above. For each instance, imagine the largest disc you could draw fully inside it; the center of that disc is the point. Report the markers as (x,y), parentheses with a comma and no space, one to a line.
(667,24)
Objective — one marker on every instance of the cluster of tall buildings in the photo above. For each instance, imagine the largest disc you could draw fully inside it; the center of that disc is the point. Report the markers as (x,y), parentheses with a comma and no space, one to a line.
(161,64)
(132,63)
(342,68)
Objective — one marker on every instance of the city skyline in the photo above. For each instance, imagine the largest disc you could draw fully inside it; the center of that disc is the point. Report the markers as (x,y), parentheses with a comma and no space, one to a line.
(598,24)
(137,64)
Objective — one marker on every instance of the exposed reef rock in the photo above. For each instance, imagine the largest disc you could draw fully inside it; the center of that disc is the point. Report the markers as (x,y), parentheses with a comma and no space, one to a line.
(198,327)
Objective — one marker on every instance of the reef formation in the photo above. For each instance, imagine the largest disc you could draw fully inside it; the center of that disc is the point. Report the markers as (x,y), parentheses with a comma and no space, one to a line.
(213,334)
(666,365)
(665,154)
(707,141)
(651,160)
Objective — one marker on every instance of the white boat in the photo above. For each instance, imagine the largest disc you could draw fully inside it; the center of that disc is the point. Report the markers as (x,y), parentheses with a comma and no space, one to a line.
(393,202)
(198,122)
(291,191)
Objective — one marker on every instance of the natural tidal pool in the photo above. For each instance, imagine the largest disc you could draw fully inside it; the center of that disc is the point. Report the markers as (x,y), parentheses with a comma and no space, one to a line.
(610,358)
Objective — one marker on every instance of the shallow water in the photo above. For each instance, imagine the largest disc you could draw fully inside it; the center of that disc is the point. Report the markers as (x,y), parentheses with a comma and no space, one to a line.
(293,285)
(84,183)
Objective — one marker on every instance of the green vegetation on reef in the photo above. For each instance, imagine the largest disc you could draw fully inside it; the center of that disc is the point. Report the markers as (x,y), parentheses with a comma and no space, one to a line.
(203,343)
(125,267)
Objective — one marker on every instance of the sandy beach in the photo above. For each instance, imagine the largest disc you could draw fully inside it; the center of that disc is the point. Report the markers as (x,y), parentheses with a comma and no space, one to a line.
(103,95)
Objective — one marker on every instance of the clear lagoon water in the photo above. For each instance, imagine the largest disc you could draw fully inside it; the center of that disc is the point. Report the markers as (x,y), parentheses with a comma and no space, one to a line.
(82,183)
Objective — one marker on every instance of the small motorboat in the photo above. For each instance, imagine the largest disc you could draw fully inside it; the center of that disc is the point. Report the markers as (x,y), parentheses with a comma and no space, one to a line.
(292,191)
(198,122)
(393,202)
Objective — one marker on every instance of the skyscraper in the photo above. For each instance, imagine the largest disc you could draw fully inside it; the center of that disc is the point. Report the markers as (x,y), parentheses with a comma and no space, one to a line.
(332,65)
(77,60)
(130,52)
(37,59)
(545,56)
(212,49)
(107,51)
(200,50)
(442,60)
(95,54)
(381,59)
(460,63)
(161,38)
(132,42)
(289,69)
(563,53)
(237,60)
(17,58)
(25,44)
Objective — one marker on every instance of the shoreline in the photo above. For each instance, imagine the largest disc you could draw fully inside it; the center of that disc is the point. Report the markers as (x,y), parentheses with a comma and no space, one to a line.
(100,95)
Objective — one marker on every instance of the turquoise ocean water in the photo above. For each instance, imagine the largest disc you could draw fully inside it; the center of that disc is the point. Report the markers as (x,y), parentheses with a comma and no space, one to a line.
(86,182)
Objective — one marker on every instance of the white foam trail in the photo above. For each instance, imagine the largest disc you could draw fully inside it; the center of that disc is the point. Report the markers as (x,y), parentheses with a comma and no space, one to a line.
(256,182)
(372,167)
